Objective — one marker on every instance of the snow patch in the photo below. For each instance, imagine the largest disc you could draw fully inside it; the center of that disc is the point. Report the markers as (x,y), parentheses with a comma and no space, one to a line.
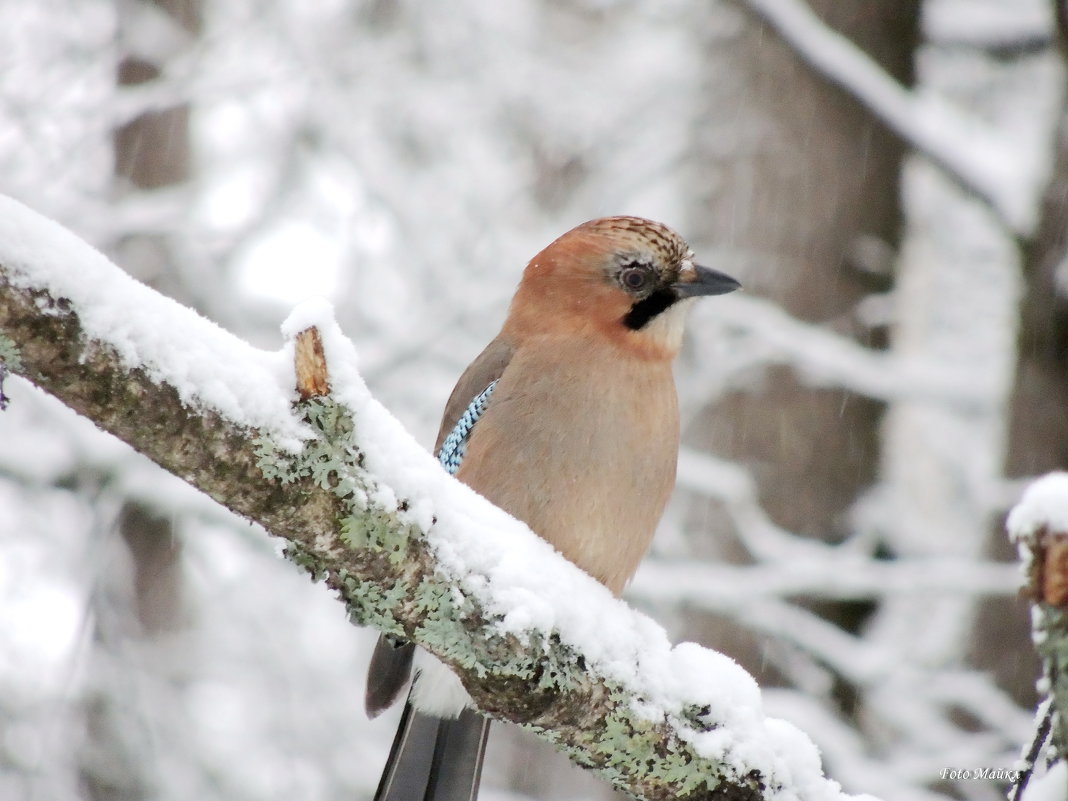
(1044,504)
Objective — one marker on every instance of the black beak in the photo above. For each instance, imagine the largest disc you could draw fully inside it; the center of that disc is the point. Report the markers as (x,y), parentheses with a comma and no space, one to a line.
(705,281)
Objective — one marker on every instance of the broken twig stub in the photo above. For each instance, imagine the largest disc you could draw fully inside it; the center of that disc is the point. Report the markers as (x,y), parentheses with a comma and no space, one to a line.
(313,380)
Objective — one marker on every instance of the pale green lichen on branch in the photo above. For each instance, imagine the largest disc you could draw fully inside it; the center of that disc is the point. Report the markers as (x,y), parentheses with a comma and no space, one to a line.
(626,747)
(334,462)
(10,355)
(634,745)
(370,604)
(630,745)
(10,361)
(566,669)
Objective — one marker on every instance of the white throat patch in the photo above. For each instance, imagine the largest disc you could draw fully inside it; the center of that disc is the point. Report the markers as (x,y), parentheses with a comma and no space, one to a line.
(667,328)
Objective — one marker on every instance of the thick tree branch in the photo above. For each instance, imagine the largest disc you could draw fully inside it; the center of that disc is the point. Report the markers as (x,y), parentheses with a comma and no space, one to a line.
(407,549)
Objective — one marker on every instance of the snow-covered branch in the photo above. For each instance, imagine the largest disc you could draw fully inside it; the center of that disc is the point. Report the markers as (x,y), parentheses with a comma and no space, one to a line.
(407,548)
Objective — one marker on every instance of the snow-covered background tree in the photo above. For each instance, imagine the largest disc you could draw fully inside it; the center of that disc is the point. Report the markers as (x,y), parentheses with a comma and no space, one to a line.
(886,178)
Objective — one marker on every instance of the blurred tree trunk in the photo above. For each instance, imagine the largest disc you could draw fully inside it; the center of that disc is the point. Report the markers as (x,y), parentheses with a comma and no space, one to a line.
(152,152)
(137,598)
(1039,423)
(806,201)
(807,205)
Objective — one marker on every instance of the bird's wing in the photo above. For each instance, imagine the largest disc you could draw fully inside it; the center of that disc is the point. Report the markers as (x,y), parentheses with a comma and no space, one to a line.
(391,663)
(483,371)
(388,673)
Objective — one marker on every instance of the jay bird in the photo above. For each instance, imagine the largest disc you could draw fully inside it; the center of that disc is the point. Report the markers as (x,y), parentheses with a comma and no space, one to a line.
(568,421)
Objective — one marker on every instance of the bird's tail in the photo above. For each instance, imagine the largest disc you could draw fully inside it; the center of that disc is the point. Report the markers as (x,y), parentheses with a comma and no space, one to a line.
(435,759)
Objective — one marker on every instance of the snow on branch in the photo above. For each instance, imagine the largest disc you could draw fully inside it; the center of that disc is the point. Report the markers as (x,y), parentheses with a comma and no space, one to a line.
(408,549)
(1007,177)
(843,576)
(769,335)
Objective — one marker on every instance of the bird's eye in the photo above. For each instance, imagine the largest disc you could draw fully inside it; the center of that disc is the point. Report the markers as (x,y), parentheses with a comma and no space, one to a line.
(634,278)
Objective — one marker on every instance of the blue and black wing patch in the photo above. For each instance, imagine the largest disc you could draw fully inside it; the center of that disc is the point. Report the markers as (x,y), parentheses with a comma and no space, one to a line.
(453,447)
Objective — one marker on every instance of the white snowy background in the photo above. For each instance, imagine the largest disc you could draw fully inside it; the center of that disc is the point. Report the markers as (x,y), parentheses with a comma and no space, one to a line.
(404,160)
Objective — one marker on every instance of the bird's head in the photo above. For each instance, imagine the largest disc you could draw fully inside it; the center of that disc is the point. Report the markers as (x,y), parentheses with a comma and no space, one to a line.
(626,278)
